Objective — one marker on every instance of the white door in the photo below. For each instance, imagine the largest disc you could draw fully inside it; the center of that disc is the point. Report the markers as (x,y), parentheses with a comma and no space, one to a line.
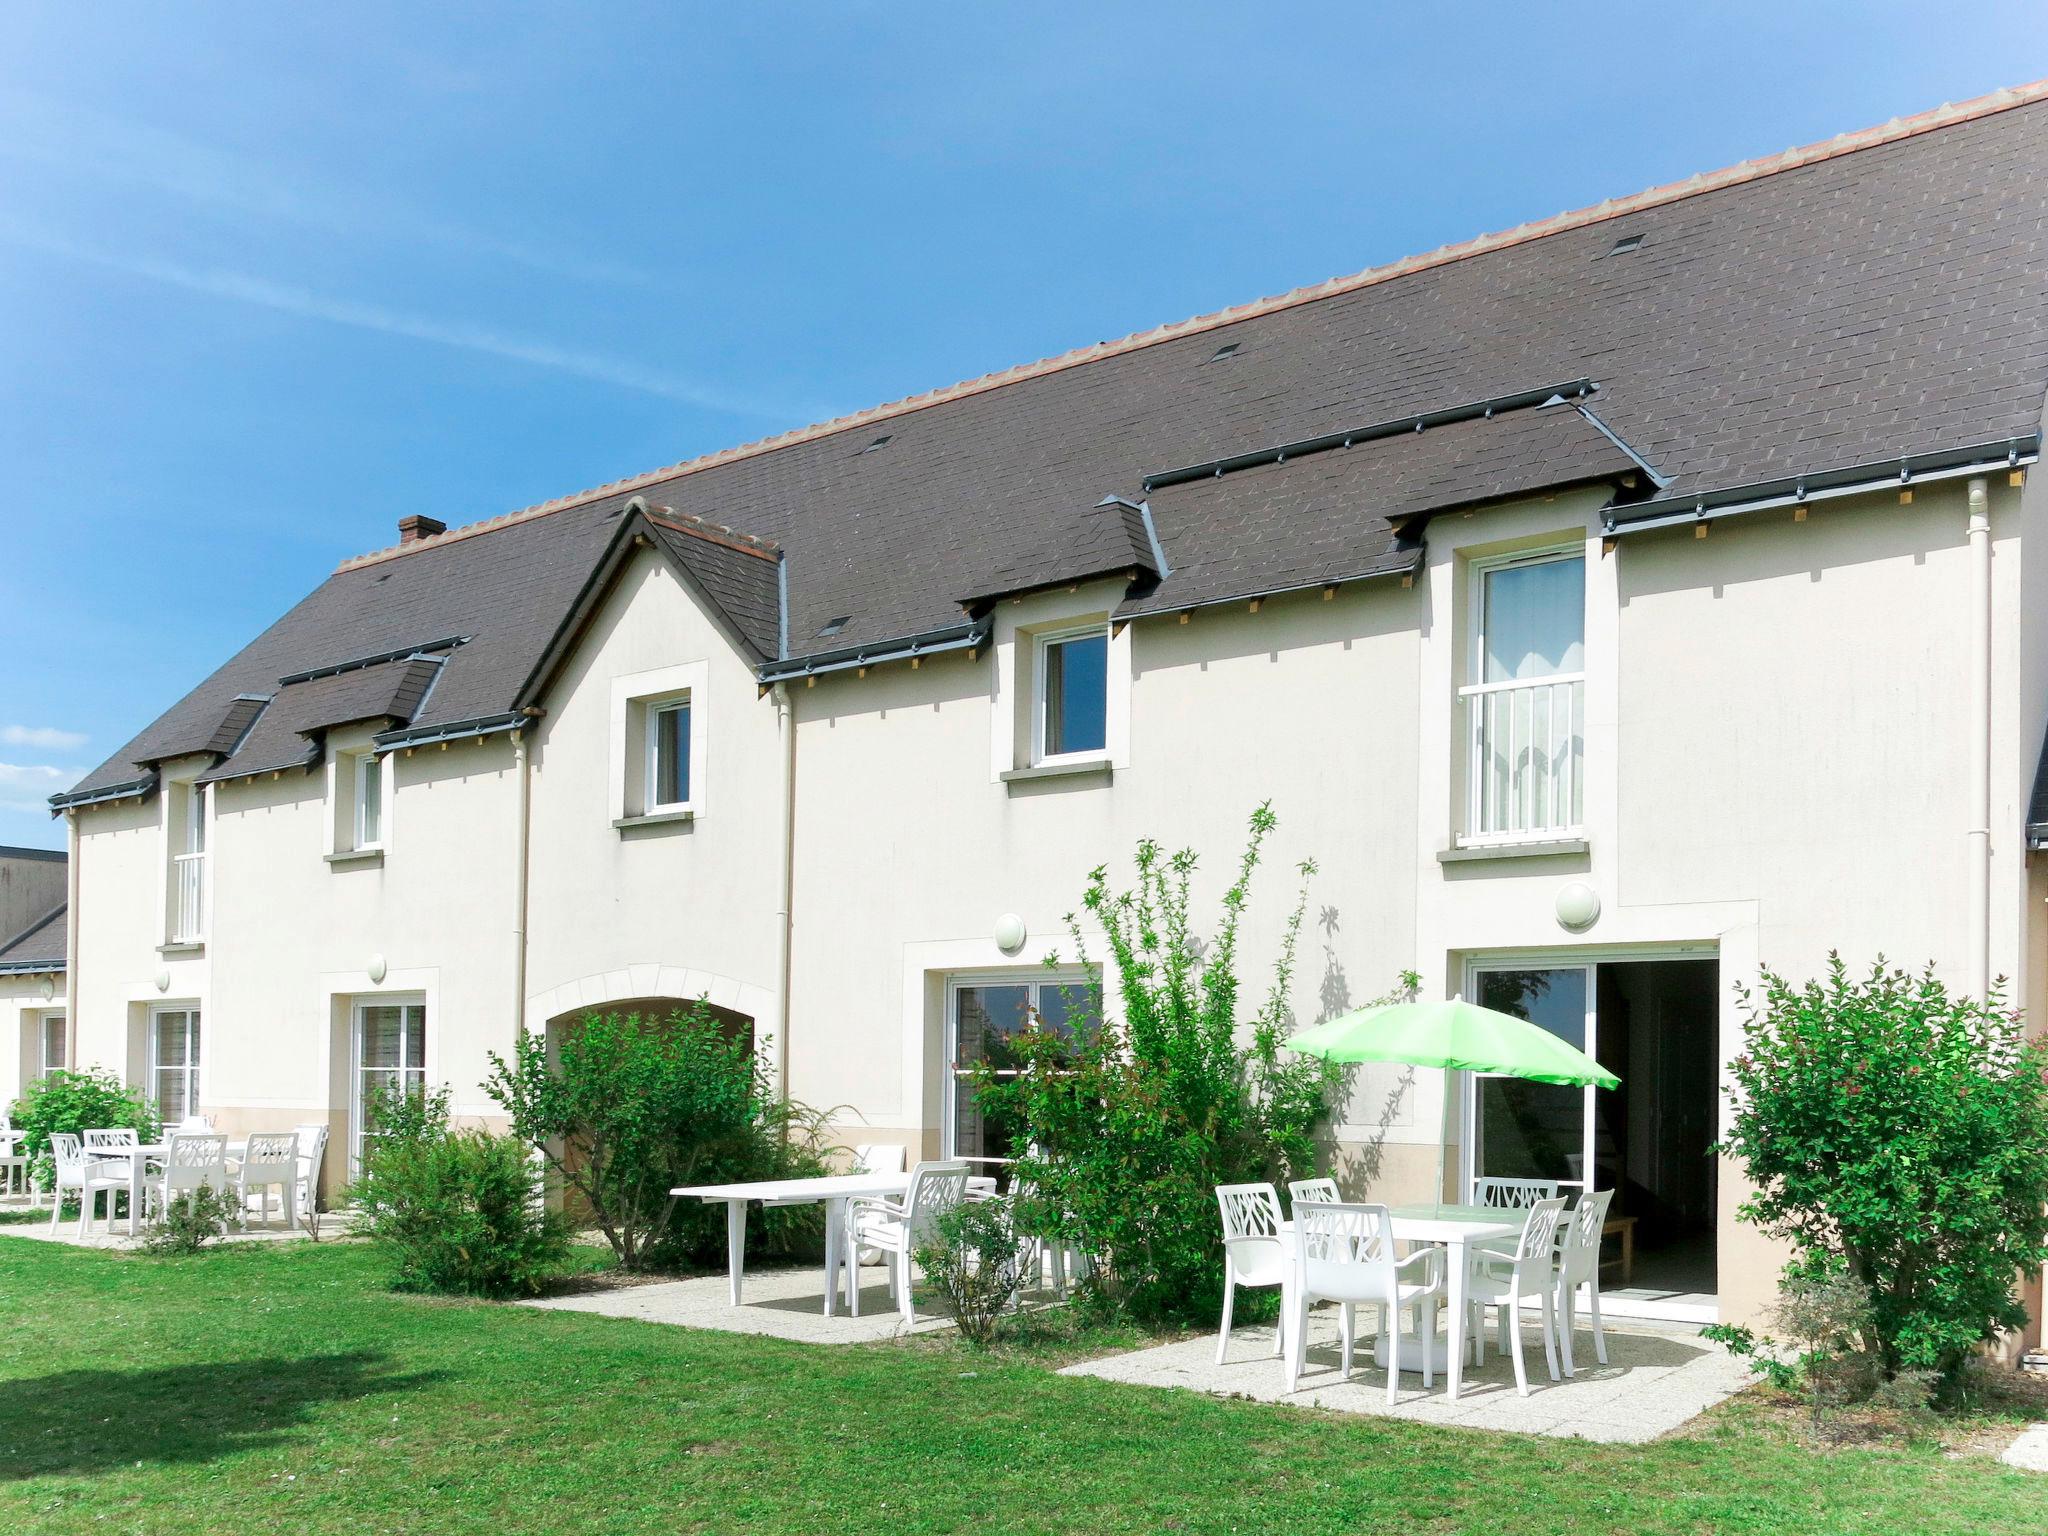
(390,1052)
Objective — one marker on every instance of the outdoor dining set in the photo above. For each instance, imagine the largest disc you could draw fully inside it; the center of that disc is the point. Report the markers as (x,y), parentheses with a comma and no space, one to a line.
(97,1165)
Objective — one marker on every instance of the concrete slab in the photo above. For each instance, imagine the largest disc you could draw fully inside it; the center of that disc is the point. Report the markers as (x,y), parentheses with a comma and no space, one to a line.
(781,1303)
(1656,1378)
(333,1224)
(2030,1452)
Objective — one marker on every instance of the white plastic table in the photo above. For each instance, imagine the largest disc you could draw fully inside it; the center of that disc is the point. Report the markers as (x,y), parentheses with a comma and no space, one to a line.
(834,1190)
(1454,1228)
(138,1169)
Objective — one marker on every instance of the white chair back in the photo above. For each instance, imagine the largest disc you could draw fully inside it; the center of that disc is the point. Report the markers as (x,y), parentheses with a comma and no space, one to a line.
(69,1154)
(1251,1232)
(312,1148)
(271,1157)
(1578,1237)
(195,1125)
(878,1157)
(935,1188)
(192,1161)
(1512,1194)
(1539,1234)
(114,1136)
(1316,1191)
(1344,1252)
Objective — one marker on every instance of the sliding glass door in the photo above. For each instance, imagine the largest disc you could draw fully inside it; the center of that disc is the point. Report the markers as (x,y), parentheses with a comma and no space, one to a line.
(1525,1130)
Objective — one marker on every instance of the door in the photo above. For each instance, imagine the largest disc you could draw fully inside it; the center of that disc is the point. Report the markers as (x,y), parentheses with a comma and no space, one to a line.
(391,1052)
(984,1016)
(1525,1130)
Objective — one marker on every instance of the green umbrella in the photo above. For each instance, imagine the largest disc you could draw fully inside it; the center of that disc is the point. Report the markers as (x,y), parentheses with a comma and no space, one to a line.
(1456,1036)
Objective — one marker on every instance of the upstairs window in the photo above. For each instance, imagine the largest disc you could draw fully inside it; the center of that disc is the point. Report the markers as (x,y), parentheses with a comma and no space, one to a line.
(1073,695)
(1525,706)
(668,756)
(187,896)
(369,802)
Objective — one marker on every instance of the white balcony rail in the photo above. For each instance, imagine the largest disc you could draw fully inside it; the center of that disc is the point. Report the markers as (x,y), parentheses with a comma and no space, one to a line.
(1523,773)
(188,898)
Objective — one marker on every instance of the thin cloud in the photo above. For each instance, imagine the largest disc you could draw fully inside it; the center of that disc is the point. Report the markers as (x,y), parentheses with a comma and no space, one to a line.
(46,738)
(243,288)
(28,786)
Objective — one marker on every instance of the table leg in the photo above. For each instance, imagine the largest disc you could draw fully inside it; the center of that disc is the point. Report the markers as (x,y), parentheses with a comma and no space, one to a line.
(835,1224)
(1454,1296)
(735,1244)
(1628,1253)
(135,1182)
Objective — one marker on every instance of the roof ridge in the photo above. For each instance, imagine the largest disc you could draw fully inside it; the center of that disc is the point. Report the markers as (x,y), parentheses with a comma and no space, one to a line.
(1948,114)
(692,526)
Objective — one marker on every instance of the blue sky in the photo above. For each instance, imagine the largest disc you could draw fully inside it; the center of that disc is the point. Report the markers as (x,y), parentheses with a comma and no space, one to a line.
(273,277)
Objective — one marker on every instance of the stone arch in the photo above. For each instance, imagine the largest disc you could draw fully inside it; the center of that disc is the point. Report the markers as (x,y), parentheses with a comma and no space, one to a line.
(650,982)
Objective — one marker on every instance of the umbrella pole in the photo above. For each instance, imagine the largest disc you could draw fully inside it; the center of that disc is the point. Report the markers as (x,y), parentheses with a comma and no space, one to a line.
(1443,1141)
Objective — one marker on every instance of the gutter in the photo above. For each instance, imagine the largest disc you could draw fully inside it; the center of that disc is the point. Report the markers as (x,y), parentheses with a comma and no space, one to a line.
(453,730)
(131,790)
(71,931)
(785,726)
(1407,568)
(1977,639)
(933,642)
(36,968)
(522,760)
(1822,485)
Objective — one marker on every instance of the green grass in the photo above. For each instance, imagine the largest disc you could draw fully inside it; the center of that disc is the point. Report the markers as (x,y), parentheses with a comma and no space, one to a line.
(279,1387)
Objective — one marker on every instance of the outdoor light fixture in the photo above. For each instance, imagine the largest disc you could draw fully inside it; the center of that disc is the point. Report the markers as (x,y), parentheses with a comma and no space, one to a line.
(1578,907)
(48,989)
(163,981)
(1010,933)
(376,969)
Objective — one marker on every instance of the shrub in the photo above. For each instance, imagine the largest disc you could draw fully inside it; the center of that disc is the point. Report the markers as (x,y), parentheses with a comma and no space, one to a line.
(76,1102)
(1897,1136)
(460,1210)
(977,1261)
(624,1109)
(189,1221)
(1129,1125)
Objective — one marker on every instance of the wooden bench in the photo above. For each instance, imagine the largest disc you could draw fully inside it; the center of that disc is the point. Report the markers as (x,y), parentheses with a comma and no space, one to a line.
(1625,1227)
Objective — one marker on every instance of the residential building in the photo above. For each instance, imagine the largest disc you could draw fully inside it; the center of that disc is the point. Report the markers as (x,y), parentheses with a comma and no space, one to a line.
(1611,607)
(33,1039)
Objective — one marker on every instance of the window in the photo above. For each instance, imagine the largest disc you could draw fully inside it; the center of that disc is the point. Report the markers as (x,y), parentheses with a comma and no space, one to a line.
(369,830)
(174,1062)
(188,864)
(668,756)
(51,1058)
(1073,695)
(1525,704)
(391,1053)
(983,1017)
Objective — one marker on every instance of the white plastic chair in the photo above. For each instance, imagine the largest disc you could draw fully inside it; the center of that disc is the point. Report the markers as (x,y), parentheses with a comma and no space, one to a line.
(1512,1194)
(86,1176)
(189,1162)
(1578,1263)
(13,1163)
(112,1136)
(1503,1280)
(270,1161)
(1253,1252)
(1316,1191)
(896,1230)
(312,1148)
(878,1157)
(1345,1253)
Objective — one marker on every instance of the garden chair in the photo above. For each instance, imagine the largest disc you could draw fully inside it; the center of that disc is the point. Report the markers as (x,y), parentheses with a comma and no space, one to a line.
(86,1176)
(1316,1191)
(193,1125)
(1512,1194)
(312,1148)
(1503,1280)
(896,1230)
(878,1157)
(1578,1263)
(111,1136)
(1345,1254)
(13,1163)
(270,1161)
(1254,1253)
(190,1162)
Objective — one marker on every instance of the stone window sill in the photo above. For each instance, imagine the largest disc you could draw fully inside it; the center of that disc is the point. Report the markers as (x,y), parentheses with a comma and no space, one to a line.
(655,819)
(186,947)
(1094,767)
(1560,847)
(350,858)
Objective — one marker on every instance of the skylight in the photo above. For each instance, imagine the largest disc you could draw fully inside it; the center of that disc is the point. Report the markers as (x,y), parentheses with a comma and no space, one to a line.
(878,442)
(835,626)
(1228,349)
(1626,244)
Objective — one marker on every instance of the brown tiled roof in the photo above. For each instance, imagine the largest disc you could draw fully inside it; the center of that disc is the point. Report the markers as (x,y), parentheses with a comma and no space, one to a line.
(1867,299)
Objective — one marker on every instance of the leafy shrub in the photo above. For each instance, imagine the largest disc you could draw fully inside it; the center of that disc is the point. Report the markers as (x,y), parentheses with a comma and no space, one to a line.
(460,1210)
(189,1221)
(624,1109)
(1129,1125)
(1898,1137)
(73,1103)
(978,1262)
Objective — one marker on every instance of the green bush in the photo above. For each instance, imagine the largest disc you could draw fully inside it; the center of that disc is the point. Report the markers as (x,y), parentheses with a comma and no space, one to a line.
(189,1221)
(76,1102)
(1897,1136)
(460,1210)
(977,1260)
(625,1108)
(1129,1125)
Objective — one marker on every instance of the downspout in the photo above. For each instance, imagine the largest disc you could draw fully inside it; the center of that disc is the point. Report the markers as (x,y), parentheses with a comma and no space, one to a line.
(785,730)
(1978,641)
(71,943)
(522,767)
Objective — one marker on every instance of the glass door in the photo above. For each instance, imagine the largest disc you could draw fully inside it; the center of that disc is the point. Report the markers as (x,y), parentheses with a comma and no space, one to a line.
(984,1017)
(1525,1130)
(391,1053)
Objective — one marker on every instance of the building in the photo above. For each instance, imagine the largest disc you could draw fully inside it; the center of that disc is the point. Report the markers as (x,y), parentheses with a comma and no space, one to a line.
(1611,607)
(34,885)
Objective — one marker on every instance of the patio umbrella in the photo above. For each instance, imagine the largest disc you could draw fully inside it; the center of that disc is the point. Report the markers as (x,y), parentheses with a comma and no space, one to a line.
(1455,1036)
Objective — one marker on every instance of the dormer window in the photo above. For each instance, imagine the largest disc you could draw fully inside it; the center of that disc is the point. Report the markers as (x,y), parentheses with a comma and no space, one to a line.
(1073,694)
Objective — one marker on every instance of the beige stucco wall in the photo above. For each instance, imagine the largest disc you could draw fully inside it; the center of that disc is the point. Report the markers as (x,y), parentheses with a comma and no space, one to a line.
(1775,747)
(24,1002)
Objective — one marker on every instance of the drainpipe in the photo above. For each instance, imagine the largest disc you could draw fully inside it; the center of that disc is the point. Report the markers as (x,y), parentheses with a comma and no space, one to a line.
(522,768)
(1979,643)
(71,942)
(785,731)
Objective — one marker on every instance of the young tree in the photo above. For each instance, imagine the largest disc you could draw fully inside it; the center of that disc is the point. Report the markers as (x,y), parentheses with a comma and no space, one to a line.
(1898,1135)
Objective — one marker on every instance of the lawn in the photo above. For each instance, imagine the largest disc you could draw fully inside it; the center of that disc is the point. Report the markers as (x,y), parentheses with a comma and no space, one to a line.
(282,1388)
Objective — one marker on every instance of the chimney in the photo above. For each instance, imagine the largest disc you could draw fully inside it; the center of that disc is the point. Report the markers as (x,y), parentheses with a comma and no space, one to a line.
(412,529)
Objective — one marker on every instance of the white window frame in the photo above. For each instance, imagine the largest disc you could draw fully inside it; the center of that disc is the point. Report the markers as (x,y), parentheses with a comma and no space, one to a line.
(187,861)
(357,1008)
(949,1065)
(193,1067)
(634,697)
(44,1065)
(1476,687)
(370,769)
(653,710)
(1041,643)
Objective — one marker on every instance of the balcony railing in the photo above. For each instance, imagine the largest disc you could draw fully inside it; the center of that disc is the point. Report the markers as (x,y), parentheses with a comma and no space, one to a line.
(1523,772)
(188,898)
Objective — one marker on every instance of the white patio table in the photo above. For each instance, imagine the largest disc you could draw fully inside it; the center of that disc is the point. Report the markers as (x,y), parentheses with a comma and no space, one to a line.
(138,1170)
(834,1190)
